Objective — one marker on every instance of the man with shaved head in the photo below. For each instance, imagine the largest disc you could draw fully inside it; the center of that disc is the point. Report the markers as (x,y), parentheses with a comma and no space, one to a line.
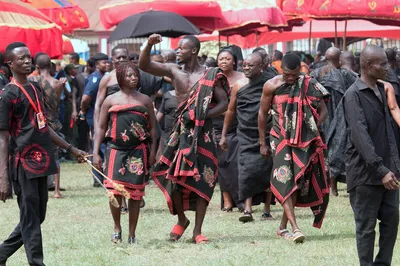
(157,58)
(372,160)
(267,68)
(187,170)
(254,170)
(347,67)
(296,104)
(169,56)
(336,80)
(347,60)
(52,90)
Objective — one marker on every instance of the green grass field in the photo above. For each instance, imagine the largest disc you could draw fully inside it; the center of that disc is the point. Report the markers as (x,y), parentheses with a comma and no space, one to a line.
(78,228)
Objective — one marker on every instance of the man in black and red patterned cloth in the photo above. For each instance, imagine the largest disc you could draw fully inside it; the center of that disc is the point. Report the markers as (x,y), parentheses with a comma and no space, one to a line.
(188,168)
(26,154)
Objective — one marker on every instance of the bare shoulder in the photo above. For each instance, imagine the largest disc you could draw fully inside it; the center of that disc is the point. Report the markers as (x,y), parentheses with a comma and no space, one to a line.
(242,82)
(274,83)
(144,99)
(109,101)
(240,75)
(55,83)
(106,79)
(172,67)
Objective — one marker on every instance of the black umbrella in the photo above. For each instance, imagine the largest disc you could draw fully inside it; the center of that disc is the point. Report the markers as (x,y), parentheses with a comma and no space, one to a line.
(144,24)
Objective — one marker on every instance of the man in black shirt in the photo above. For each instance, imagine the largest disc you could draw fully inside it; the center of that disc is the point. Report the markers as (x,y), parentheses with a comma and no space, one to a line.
(74,59)
(372,160)
(26,154)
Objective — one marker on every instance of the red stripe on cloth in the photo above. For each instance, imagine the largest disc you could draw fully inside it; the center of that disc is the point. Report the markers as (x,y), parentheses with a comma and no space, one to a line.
(281,116)
(273,133)
(163,190)
(185,196)
(164,160)
(178,163)
(297,160)
(204,196)
(280,146)
(187,173)
(114,126)
(111,161)
(208,154)
(133,186)
(199,123)
(208,83)
(138,113)
(122,107)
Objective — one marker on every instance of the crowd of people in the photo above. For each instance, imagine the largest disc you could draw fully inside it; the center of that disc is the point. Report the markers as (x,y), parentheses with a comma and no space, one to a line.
(280,128)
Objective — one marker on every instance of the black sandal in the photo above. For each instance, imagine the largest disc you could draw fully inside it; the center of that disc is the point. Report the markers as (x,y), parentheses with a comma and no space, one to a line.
(116,237)
(132,241)
(267,216)
(247,217)
(227,209)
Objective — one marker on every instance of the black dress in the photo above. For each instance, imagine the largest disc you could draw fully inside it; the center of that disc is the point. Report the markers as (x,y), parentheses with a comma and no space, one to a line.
(168,107)
(228,161)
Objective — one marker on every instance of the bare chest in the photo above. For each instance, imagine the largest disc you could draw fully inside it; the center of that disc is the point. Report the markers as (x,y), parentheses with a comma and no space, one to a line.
(183,82)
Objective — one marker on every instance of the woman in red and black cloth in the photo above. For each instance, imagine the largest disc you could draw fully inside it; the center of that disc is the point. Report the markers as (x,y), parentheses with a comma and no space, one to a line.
(130,152)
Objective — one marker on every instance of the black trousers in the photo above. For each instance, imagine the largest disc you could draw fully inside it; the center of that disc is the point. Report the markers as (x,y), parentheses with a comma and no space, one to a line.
(32,199)
(83,135)
(369,204)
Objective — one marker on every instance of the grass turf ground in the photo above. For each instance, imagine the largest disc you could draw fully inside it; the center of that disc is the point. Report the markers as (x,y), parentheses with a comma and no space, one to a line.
(78,228)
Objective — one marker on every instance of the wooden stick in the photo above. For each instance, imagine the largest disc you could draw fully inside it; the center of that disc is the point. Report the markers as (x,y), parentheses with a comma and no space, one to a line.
(109,194)
(309,37)
(97,179)
(344,36)
(336,39)
(98,171)
(118,187)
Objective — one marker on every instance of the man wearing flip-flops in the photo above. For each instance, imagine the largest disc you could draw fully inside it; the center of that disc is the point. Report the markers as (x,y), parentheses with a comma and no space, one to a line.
(296,104)
(187,170)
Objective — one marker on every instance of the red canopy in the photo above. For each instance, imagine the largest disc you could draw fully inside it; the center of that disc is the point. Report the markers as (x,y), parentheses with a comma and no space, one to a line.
(20,22)
(292,19)
(194,10)
(242,17)
(383,12)
(67,47)
(320,29)
(66,13)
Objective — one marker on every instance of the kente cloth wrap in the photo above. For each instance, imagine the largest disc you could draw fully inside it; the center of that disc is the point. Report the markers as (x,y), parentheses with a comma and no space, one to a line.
(189,162)
(298,148)
(126,158)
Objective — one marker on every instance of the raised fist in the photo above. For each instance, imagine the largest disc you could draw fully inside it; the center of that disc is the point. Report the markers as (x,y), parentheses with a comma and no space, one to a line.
(154,39)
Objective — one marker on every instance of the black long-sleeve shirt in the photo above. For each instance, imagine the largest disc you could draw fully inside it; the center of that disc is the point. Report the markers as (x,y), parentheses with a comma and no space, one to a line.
(372,150)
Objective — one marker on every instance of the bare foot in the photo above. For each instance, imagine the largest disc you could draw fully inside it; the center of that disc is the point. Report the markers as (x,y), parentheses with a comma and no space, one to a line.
(58,196)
